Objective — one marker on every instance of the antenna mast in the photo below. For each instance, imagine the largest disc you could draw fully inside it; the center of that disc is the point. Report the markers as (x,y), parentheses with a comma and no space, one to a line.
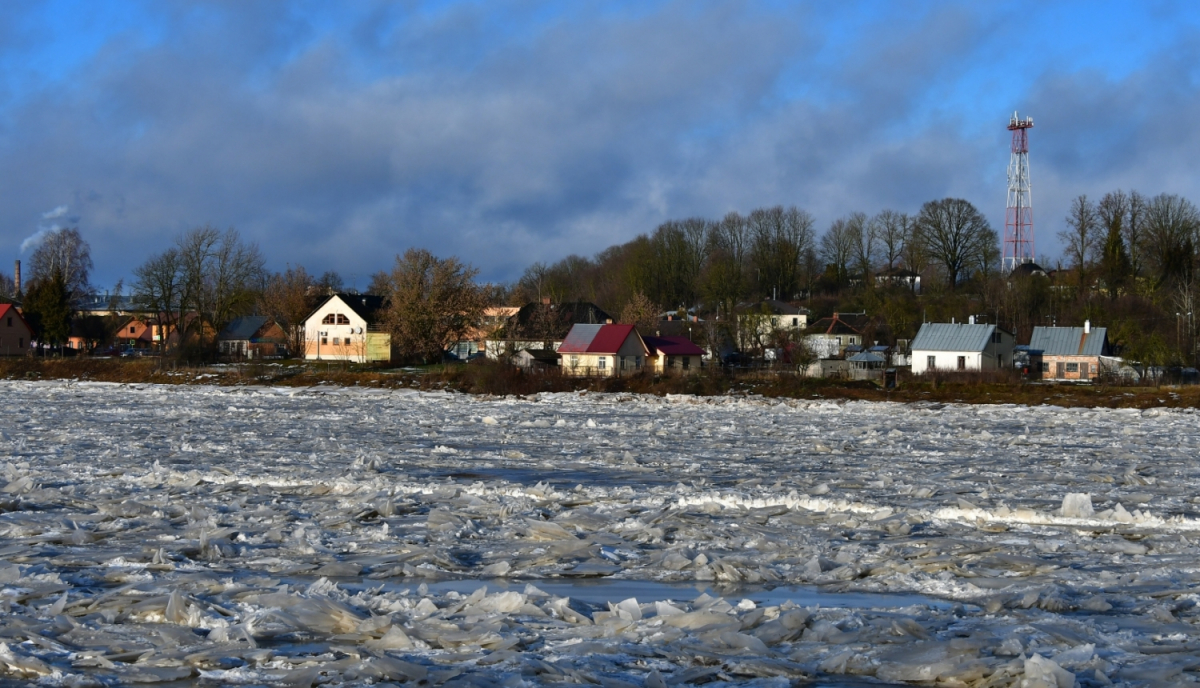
(1018,219)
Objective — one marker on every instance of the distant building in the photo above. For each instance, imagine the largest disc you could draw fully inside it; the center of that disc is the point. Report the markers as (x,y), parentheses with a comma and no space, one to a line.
(829,337)
(961,346)
(1071,353)
(15,333)
(536,359)
(542,325)
(900,277)
(254,336)
(603,350)
(347,327)
(673,354)
(758,321)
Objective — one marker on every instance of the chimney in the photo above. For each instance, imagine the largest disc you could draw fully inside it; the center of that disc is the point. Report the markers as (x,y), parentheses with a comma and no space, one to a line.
(1087,326)
(17,278)
(971,320)
(545,300)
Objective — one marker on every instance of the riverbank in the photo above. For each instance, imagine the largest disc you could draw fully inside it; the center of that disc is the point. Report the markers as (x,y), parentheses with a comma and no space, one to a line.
(494,379)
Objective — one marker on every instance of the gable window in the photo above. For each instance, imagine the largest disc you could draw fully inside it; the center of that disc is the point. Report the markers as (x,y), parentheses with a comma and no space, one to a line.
(132,329)
(931,362)
(335,319)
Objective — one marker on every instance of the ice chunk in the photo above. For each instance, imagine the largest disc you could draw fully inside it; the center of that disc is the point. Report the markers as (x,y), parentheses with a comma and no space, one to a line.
(1077,505)
(1046,673)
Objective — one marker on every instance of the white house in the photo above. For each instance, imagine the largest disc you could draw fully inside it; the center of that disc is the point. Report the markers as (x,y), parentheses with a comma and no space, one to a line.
(345,327)
(758,321)
(961,346)
(603,350)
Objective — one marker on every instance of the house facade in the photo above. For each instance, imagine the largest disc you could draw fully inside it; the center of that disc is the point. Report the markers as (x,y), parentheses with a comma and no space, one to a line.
(673,355)
(603,350)
(961,346)
(254,336)
(15,333)
(758,321)
(346,327)
(829,337)
(1071,354)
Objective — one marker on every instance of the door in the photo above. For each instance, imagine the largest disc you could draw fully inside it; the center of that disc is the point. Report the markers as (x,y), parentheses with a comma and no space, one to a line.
(1060,370)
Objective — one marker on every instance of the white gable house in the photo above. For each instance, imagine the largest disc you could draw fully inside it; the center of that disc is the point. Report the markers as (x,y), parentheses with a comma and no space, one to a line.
(346,328)
(961,346)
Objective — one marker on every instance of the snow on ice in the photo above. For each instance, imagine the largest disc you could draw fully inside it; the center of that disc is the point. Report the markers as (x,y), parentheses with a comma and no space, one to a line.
(348,537)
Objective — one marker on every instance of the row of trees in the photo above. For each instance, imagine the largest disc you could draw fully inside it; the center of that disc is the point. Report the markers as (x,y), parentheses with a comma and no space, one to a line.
(771,252)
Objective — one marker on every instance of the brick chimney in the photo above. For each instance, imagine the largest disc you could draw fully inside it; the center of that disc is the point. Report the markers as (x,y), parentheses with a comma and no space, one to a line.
(545,300)
(17,278)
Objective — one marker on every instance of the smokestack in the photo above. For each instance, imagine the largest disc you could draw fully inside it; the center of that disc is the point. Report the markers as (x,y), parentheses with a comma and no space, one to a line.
(17,278)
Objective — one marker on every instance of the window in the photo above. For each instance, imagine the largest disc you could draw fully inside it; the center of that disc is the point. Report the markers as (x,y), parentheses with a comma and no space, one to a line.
(132,329)
(1072,367)
(574,361)
(603,363)
(1045,367)
(347,341)
(795,322)
(838,340)
(686,361)
(962,362)
(10,322)
(996,337)
(931,362)
(324,341)
(637,362)
(20,342)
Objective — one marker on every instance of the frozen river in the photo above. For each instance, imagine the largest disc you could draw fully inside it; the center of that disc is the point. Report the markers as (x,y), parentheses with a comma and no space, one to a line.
(328,536)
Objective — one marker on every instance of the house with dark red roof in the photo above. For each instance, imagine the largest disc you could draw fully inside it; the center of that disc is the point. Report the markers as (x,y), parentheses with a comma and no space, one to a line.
(604,350)
(14,332)
(673,354)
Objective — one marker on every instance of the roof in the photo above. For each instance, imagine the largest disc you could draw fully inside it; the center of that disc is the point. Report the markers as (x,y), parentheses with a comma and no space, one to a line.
(543,355)
(369,307)
(542,321)
(243,328)
(840,323)
(1070,341)
(673,346)
(1029,268)
(596,339)
(8,309)
(952,337)
(867,357)
(775,307)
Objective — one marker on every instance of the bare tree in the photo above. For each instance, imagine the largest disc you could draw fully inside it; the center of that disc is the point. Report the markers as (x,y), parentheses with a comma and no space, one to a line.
(954,234)
(159,289)
(837,248)
(724,276)
(1116,269)
(1134,232)
(433,302)
(892,228)
(863,234)
(8,288)
(1080,239)
(222,275)
(63,251)
(642,312)
(1172,224)
(779,239)
(289,298)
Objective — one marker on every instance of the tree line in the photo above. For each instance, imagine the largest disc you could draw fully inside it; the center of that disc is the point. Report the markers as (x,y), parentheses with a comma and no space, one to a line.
(1129,261)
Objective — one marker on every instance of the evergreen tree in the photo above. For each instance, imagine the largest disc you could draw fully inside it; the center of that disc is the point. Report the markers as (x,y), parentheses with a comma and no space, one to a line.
(48,309)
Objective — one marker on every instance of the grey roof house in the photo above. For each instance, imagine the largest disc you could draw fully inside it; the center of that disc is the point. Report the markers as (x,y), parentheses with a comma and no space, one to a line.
(1071,353)
(961,346)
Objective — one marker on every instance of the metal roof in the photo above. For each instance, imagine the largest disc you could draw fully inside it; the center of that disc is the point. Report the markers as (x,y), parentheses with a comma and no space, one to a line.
(673,346)
(952,337)
(596,339)
(867,357)
(1069,341)
(243,328)
(579,338)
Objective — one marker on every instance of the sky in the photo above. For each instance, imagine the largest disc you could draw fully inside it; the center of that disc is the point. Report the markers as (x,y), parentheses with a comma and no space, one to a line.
(338,135)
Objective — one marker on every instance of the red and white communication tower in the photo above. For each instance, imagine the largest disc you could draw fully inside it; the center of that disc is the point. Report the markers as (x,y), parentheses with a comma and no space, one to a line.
(1018,220)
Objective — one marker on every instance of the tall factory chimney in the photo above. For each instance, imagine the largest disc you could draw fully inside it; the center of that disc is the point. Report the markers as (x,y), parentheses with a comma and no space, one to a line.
(17,279)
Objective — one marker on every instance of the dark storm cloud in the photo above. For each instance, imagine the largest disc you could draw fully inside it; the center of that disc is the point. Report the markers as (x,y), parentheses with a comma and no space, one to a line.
(506,138)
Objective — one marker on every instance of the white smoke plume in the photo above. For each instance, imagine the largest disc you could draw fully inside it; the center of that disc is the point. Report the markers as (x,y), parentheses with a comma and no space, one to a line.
(36,238)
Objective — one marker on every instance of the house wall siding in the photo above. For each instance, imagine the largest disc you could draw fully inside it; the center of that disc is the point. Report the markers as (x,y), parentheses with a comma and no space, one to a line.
(363,346)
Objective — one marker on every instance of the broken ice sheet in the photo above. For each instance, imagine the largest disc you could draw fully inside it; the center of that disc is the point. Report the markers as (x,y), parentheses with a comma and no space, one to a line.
(261,535)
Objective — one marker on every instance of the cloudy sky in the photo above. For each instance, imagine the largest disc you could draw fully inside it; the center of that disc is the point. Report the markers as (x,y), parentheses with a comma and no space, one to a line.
(338,134)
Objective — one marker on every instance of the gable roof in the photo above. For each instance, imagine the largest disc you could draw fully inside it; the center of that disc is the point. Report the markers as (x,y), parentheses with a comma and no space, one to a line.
(867,357)
(774,307)
(8,309)
(840,323)
(597,339)
(244,328)
(952,337)
(369,307)
(1070,341)
(672,346)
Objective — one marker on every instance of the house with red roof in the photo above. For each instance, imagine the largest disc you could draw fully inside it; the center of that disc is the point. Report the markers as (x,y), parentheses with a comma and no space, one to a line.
(603,350)
(673,354)
(15,333)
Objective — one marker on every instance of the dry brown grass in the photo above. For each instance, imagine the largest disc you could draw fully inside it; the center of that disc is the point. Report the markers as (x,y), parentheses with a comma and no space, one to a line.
(487,378)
